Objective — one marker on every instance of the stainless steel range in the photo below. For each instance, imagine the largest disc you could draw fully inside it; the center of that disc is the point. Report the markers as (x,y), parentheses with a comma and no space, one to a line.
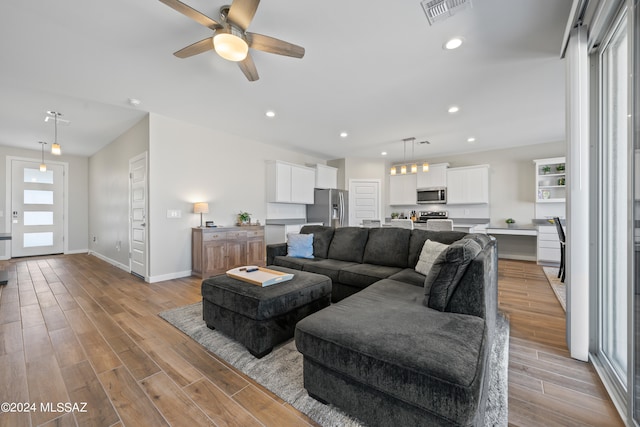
(427,215)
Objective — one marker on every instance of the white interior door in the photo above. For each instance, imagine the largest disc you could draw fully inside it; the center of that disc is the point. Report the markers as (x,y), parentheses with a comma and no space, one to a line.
(37,209)
(138,215)
(364,200)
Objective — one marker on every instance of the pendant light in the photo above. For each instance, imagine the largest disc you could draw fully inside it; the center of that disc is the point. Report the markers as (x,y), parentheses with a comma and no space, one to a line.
(425,167)
(55,147)
(414,166)
(43,167)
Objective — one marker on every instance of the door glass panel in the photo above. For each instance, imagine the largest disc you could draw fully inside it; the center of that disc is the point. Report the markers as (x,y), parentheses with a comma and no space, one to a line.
(613,205)
(35,176)
(32,240)
(38,218)
(38,197)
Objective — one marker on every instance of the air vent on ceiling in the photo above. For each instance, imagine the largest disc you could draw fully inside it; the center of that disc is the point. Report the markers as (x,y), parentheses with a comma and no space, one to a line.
(438,10)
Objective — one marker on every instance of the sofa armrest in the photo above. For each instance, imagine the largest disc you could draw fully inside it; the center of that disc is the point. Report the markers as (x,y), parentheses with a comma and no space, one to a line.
(274,250)
(477,292)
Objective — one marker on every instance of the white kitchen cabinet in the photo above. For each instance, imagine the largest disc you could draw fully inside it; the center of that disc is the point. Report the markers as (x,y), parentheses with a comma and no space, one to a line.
(468,185)
(326,176)
(402,190)
(435,177)
(290,183)
(548,245)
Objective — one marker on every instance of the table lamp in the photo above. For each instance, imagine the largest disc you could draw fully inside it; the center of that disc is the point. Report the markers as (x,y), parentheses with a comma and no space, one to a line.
(201,207)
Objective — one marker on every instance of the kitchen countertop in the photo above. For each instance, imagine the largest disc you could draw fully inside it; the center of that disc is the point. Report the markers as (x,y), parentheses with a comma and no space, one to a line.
(286,221)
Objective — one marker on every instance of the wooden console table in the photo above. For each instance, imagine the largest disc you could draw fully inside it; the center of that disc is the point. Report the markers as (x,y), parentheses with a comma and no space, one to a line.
(216,250)
(4,275)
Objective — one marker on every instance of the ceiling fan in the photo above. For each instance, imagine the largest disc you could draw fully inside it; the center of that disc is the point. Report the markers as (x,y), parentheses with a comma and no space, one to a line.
(230,39)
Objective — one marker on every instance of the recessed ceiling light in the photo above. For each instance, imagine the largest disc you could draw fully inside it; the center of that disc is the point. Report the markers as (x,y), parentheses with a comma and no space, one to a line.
(343,134)
(271,114)
(134,102)
(471,139)
(384,153)
(453,109)
(453,43)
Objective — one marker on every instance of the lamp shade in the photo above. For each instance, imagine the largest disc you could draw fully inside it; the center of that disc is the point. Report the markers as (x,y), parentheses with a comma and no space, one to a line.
(201,207)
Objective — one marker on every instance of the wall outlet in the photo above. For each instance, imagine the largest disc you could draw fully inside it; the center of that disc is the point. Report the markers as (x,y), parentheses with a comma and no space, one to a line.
(95,239)
(174,213)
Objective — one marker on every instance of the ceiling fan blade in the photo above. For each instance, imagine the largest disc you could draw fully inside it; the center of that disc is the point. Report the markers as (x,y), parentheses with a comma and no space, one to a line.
(190,12)
(273,45)
(242,11)
(249,69)
(196,48)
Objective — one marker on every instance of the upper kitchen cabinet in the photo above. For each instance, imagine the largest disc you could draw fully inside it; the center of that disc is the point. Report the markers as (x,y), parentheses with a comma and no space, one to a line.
(402,190)
(436,176)
(468,185)
(326,176)
(290,183)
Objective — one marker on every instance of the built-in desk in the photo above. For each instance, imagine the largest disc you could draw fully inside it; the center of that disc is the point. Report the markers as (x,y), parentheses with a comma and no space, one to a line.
(4,275)
(513,230)
(517,241)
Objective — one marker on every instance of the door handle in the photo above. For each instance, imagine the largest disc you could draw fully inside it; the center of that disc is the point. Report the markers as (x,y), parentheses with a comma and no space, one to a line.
(144,224)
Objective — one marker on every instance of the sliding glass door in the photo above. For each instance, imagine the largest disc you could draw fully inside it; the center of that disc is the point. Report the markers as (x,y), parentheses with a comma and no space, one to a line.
(613,231)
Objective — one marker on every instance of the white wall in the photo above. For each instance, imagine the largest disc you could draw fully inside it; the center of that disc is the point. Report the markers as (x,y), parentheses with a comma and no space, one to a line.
(190,164)
(109,194)
(76,197)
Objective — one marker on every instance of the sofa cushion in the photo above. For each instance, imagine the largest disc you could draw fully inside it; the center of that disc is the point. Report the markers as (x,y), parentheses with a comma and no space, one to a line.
(409,276)
(290,262)
(321,238)
(363,275)
(447,271)
(428,255)
(385,338)
(387,246)
(418,237)
(328,267)
(300,245)
(348,244)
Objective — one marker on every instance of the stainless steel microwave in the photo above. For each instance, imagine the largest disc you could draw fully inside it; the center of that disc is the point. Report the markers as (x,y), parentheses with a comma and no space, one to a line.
(432,195)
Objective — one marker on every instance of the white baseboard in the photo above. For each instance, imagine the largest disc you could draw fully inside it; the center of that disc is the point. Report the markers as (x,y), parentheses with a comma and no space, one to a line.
(77,251)
(518,257)
(170,276)
(110,261)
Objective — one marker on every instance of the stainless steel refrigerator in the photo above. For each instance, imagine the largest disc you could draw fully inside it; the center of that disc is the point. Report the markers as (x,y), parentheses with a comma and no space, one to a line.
(330,207)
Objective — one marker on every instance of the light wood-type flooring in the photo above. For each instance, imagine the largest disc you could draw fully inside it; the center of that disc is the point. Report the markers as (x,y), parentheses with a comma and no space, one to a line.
(74,329)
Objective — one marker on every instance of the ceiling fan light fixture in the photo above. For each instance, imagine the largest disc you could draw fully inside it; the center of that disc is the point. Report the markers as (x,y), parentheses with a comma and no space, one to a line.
(230,45)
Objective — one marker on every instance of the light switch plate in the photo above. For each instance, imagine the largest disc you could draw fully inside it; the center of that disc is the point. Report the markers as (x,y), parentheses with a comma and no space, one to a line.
(174,213)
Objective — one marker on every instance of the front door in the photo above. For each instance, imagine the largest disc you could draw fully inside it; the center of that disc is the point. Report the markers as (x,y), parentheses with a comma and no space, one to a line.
(37,200)
(138,207)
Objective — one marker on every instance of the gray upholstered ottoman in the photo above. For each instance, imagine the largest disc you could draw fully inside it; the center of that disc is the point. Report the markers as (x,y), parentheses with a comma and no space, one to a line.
(257,317)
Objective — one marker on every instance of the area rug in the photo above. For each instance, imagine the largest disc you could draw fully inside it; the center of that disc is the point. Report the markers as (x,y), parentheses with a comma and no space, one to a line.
(281,370)
(559,288)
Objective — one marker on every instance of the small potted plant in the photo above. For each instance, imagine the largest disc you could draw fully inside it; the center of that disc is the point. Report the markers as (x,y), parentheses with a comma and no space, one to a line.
(545,169)
(510,222)
(244,218)
(560,168)
(394,215)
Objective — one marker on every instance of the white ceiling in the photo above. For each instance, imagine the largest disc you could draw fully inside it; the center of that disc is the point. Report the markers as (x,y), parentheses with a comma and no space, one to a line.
(374,69)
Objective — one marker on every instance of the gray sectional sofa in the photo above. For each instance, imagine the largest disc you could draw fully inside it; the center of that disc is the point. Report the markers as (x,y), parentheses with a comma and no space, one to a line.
(398,347)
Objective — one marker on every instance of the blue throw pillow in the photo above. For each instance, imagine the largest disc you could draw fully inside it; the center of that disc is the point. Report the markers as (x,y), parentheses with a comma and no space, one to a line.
(300,245)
